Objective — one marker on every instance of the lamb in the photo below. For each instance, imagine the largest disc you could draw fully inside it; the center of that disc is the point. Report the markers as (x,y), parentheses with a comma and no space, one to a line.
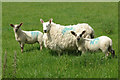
(28,37)
(58,37)
(103,43)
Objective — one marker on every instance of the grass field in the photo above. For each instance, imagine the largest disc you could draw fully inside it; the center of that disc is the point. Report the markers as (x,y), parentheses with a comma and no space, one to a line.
(103,17)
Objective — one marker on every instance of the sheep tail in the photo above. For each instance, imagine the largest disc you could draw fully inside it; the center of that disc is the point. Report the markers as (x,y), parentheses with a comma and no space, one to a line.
(111,50)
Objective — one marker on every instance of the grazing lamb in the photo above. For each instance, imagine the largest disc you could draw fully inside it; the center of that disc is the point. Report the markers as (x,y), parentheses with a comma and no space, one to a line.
(57,37)
(103,43)
(28,37)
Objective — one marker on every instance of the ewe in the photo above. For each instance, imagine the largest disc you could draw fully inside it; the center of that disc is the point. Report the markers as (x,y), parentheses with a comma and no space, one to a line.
(58,37)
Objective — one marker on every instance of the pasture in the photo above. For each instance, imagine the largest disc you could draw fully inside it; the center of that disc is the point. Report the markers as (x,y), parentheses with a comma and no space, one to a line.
(33,63)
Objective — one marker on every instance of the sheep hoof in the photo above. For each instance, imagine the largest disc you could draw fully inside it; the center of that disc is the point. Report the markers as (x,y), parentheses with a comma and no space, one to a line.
(40,48)
(21,51)
(105,57)
(58,54)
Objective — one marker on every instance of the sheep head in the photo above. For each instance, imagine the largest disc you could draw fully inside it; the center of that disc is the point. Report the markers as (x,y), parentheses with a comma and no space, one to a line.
(46,25)
(16,27)
(78,36)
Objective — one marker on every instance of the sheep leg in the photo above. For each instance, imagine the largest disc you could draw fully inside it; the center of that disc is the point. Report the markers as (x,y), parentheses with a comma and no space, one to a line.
(83,52)
(79,48)
(41,46)
(22,46)
(45,43)
(59,52)
(22,49)
(104,50)
(107,53)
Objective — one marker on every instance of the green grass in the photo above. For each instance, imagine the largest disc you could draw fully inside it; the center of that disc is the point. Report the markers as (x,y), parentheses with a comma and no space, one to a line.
(102,17)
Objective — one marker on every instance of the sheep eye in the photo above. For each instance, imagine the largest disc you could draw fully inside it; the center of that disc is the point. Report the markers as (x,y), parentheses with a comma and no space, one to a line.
(80,35)
(17,27)
(47,25)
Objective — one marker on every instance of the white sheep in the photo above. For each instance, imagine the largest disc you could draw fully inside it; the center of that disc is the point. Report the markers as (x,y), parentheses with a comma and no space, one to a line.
(58,37)
(28,37)
(103,43)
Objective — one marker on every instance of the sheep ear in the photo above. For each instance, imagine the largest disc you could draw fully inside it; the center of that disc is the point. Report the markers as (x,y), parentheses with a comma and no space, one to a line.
(50,20)
(41,21)
(82,33)
(20,25)
(12,25)
(73,33)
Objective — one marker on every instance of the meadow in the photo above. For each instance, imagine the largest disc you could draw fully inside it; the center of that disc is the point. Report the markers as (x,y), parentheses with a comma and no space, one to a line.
(33,63)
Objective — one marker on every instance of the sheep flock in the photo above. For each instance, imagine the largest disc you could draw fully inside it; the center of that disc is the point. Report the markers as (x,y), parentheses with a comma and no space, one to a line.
(56,37)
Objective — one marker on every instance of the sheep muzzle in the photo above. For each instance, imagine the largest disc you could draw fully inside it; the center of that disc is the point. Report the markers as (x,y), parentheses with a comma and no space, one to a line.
(45,31)
(78,39)
(16,30)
